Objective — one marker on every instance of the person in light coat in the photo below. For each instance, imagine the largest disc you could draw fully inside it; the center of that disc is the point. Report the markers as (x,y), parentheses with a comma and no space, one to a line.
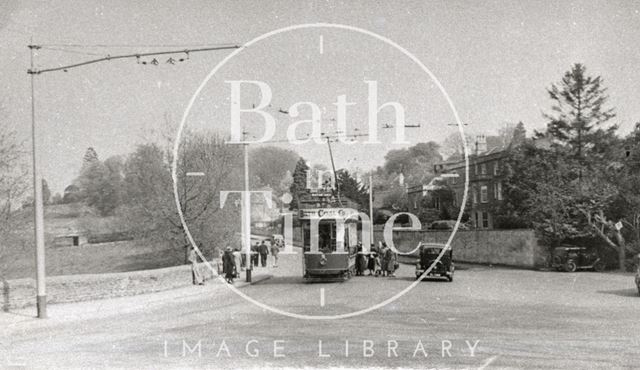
(196,276)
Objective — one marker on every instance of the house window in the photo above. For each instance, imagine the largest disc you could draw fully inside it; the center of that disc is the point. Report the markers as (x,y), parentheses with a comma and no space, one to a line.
(455,200)
(499,191)
(483,169)
(484,196)
(436,203)
(475,168)
(454,180)
(415,203)
(475,195)
(477,224)
(485,220)
(496,165)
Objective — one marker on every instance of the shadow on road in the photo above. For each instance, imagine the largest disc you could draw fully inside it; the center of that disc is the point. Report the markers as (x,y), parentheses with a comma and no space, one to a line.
(621,292)
(276,280)
(426,279)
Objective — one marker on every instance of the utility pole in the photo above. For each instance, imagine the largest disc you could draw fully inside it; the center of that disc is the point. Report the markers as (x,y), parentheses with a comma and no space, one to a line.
(371,207)
(246,209)
(38,211)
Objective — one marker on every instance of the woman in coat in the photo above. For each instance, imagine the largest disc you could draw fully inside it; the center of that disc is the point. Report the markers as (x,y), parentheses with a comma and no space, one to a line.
(391,259)
(228,265)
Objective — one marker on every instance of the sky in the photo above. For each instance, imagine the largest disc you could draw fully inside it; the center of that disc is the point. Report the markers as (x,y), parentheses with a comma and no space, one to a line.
(494,59)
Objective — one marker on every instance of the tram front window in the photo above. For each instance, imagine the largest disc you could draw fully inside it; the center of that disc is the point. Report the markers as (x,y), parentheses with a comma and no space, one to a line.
(326,236)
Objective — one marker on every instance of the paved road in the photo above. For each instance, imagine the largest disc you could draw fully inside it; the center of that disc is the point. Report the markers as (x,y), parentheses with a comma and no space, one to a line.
(515,319)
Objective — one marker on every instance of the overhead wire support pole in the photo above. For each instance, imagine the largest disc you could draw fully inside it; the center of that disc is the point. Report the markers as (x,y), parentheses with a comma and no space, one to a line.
(246,209)
(41,297)
(38,209)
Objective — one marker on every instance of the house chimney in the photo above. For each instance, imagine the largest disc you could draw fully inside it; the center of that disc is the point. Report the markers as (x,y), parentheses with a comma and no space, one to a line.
(481,144)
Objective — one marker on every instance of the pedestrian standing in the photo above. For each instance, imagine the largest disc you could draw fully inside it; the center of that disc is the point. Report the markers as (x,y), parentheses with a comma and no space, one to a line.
(196,276)
(391,258)
(384,262)
(264,251)
(254,254)
(360,261)
(371,263)
(275,250)
(228,265)
(237,259)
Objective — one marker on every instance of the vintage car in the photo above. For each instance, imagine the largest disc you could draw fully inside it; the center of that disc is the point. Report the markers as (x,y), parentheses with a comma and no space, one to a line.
(570,258)
(428,253)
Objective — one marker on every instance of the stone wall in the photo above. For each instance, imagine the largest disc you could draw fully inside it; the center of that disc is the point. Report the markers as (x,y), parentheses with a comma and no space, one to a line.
(519,248)
(20,293)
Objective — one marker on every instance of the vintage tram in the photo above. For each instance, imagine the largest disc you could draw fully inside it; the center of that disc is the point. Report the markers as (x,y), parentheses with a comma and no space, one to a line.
(329,238)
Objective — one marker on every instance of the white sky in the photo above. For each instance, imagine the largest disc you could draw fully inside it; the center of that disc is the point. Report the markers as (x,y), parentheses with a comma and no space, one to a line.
(495,59)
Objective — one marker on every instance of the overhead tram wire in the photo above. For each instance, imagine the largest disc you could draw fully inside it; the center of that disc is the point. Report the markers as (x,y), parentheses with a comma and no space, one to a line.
(71,51)
(125,56)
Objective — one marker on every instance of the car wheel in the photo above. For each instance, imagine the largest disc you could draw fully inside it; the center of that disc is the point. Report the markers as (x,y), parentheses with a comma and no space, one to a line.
(570,266)
(450,276)
(599,266)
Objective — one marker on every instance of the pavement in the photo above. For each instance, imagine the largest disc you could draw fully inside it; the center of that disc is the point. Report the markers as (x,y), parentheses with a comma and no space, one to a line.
(73,312)
(486,318)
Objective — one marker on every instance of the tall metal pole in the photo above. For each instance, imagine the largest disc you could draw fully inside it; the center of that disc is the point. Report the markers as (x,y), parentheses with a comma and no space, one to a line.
(246,213)
(371,207)
(38,214)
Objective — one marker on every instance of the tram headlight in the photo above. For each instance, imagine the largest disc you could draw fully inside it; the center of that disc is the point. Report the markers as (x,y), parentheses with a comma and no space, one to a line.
(323,259)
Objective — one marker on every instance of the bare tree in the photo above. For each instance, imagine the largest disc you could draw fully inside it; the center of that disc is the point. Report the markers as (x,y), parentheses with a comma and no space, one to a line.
(13,186)
(149,204)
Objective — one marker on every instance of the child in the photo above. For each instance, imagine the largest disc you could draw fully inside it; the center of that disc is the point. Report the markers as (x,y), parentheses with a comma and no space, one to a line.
(371,263)
(378,265)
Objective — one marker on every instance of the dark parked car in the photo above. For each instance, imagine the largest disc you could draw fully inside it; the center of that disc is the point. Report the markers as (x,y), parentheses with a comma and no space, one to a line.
(571,258)
(429,253)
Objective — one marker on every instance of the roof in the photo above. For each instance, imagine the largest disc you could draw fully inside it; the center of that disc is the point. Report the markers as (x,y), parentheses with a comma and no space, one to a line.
(487,156)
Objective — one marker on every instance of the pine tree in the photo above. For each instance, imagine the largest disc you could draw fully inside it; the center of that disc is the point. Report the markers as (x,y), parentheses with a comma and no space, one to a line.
(579,111)
(352,189)
(519,134)
(90,158)
(299,185)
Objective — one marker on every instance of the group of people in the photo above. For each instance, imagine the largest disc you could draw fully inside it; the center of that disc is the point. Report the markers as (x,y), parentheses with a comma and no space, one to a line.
(235,261)
(260,251)
(380,261)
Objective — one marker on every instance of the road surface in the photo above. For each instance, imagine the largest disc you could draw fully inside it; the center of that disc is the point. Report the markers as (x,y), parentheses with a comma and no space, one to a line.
(486,318)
